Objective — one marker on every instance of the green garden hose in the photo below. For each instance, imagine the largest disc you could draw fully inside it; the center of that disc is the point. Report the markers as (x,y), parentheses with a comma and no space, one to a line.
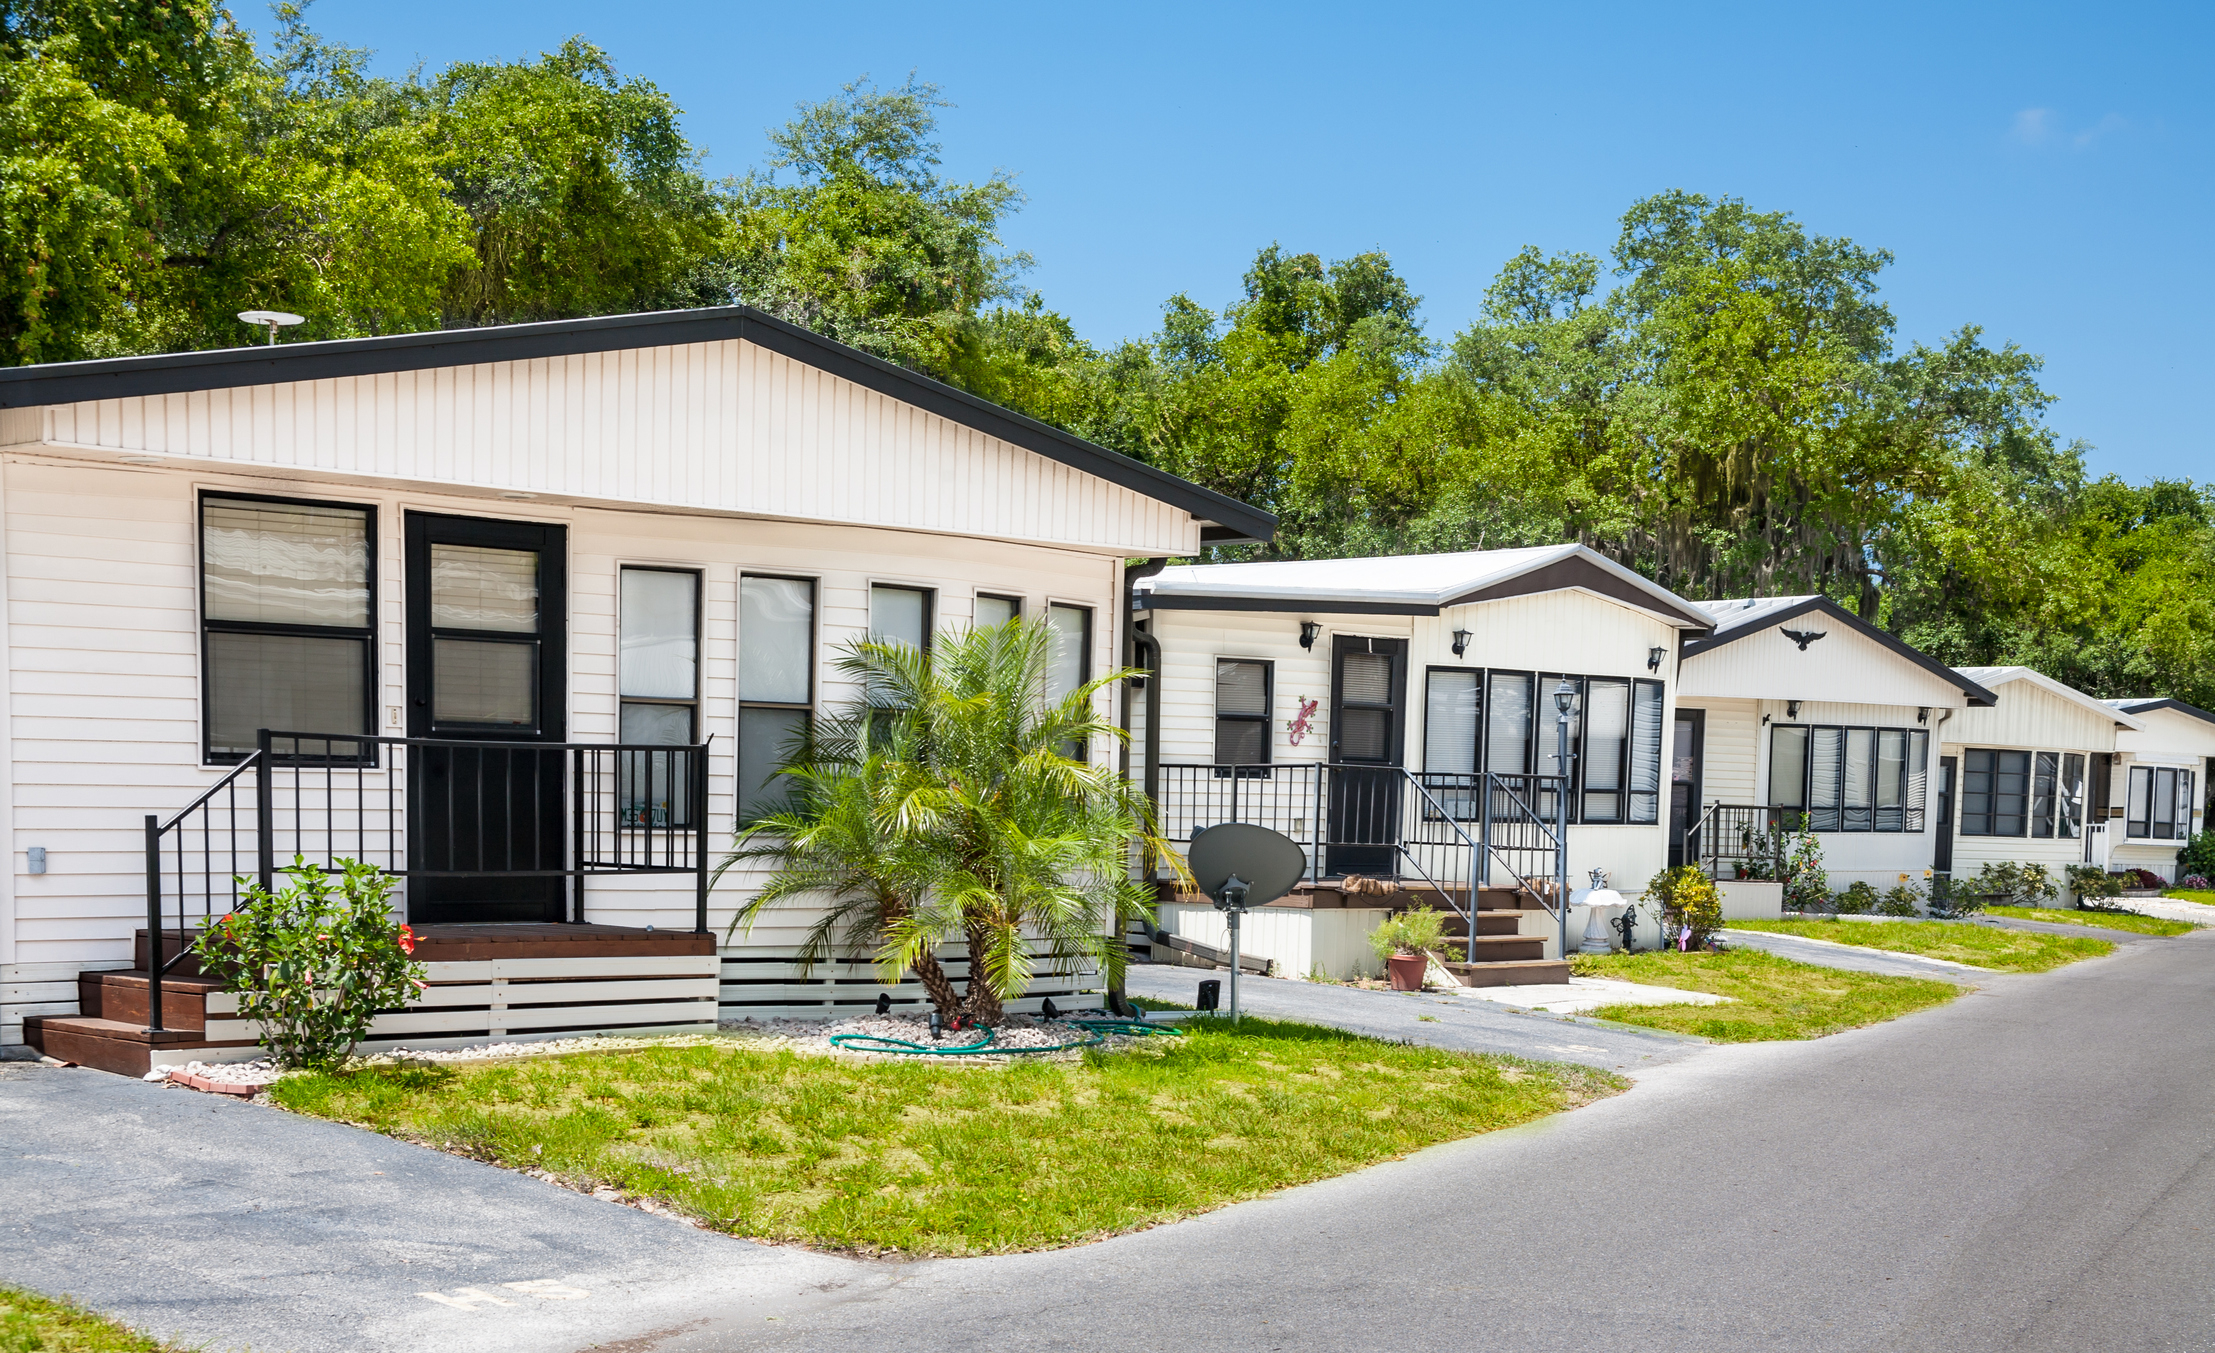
(1096,1032)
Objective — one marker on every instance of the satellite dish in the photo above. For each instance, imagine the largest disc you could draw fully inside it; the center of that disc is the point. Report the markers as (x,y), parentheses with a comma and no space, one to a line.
(275,319)
(1268,862)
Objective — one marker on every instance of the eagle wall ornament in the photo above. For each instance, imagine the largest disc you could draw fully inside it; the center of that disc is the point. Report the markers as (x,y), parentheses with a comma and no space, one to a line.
(1802,637)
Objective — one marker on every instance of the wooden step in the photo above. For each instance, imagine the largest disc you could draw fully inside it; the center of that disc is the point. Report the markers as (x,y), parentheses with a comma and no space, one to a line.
(1527,972)
(121,996)
(1488,923)
(1505,948)
(109,1044)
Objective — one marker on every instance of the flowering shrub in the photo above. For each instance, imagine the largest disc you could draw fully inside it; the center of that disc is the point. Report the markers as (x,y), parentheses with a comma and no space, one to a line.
(2094,887)
(2195,883)
(2197,859)
(314,961)
(1688,902)
(1806,882)
(1902,899)
(2004,884)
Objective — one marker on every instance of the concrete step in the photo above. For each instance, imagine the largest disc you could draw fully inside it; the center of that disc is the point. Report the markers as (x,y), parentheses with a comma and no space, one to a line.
(1515,973)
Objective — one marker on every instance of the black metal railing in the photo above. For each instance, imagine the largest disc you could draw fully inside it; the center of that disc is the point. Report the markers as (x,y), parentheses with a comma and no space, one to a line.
(1746,839)
(1455,833)
(433,810)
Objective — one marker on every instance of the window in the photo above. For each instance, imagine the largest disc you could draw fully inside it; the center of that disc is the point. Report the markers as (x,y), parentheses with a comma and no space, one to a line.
(1450,710)
(2045,771)
(1507,726)
(2160,803)
(1069,663)
(995,610)
(1645,752)
(1995,792)
(1606,746)
(776,684)
(1242,693)
(900,615)
(2072,795)
(658,680)
(1850,779)
(286,601)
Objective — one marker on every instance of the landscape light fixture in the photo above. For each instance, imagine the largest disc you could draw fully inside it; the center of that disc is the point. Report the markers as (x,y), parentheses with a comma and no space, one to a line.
(1309,629)
(1565,699)
(275,319)
(1654,656)
(1461,642)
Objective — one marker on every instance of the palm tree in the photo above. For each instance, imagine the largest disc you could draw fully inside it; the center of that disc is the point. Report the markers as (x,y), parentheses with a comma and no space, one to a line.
(953,799)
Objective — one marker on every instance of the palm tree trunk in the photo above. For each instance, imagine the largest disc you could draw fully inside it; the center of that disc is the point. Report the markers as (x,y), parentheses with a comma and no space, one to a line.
(941,987)
(981,1003)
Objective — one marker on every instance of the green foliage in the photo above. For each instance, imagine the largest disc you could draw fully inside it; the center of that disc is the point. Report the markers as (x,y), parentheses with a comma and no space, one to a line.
(1408,933)
(954,799)
(1977,945)
(2007,884)
(1686,898)
(30,1323)
(1806,882)
(2197,857)
(1859,899)
(1771,998)
(2093,886)
(315,961)
(921,1159)
(1902,899)
(2105,918)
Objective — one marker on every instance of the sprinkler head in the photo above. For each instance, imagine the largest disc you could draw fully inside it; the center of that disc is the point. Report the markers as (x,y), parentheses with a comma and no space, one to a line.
(884,1002)
(938,1025)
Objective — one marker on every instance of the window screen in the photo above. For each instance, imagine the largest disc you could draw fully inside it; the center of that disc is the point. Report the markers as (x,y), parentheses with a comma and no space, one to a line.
(1450,708)
(1826,766)
(1507,725)
(1606,747)
(1070,664)
(287,601)
(1788,766)
(658,673)
(1241,714)
(776,684)
(1891,780)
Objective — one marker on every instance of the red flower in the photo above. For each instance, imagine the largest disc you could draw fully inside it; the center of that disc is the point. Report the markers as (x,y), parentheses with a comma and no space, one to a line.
(407,940)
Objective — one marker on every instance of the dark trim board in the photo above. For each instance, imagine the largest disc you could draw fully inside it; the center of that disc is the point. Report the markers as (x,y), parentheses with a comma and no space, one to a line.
(1148,601)
(231,368)
(1565,574)
(1978,695)
(2149,705)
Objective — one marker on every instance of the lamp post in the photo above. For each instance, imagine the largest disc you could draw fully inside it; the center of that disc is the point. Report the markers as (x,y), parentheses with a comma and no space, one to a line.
(1565,700)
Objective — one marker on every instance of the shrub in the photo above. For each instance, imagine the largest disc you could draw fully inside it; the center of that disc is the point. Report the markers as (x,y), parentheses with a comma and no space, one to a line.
(2197,859)
(1859,899)
(1902,899)
(1806,883)
(2197,883)
(1690,907)
(2006,884)
(2141,878)
(1409,933)
(315,961)
(2094,887)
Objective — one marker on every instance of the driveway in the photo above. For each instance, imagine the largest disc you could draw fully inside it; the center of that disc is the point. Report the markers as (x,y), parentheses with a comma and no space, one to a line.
(2031,1167)
(1853,958)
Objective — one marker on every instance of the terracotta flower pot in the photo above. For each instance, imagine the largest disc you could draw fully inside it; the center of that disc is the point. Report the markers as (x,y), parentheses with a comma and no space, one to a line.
(1407,971)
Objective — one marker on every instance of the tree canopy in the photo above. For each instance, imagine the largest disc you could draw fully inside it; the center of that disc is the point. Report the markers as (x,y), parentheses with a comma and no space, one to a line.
(1721,404)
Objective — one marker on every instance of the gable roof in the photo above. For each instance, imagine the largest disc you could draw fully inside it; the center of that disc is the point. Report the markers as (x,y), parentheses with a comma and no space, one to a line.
(2148,704)
(1408,584)
(1228,519)
(2000,676)
(1741,617)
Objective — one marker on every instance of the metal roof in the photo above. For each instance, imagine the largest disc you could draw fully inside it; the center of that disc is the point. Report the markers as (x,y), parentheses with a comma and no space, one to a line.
(226,368)
(2000,676)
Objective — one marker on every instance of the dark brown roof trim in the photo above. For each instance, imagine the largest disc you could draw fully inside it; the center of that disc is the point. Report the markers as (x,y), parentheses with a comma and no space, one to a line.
(2147,706)
(1978,695)
(230,368)
(1152,601)
(1577,571)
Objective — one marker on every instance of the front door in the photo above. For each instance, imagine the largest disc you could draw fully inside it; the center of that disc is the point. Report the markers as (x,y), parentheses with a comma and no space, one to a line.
(486,671)
(1942,843)
(1368,731)
(1684,783)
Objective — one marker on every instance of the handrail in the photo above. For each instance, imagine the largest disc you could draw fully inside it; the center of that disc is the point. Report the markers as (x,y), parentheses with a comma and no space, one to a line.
(1469,908)
(156,829)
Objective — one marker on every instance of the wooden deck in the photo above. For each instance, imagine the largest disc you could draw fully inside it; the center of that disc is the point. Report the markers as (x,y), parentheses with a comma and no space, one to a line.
(487,982)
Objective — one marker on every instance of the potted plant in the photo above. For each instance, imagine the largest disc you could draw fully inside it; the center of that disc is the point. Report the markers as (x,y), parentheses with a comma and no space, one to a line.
(1405,942)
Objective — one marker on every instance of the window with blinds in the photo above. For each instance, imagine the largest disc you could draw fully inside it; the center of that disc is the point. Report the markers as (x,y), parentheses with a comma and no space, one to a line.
(2045,776)
(658,678)
(2072,795)
(1851,779)
(1450,709)
(2160,803)
(1486,721)
(1365,707)
(1507,723)
(1606,747)
(776,684)
(1242,696)
(287,596)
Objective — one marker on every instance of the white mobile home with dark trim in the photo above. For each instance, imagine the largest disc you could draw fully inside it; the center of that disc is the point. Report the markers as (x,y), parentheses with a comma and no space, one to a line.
(2033,770)
(471,564)
(2164,775)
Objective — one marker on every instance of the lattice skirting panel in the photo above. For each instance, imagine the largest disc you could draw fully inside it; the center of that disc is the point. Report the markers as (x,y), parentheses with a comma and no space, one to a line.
(766,983)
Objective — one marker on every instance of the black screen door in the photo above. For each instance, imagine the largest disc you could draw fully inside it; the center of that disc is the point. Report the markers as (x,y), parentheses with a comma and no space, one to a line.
(1942,845)
(1685,757)
(487,663)
(1368,729)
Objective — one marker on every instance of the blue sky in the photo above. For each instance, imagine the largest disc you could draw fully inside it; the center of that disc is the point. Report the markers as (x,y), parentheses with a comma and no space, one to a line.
(2041,170)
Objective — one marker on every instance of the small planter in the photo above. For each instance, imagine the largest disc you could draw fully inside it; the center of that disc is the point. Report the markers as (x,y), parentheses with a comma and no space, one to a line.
(1407,971)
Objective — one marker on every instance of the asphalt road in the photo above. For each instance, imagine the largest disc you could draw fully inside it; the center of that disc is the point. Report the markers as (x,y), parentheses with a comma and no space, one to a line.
(2031,1167)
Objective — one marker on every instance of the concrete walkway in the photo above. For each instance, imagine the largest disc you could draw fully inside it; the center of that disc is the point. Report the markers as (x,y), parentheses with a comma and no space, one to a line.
(1453,1021)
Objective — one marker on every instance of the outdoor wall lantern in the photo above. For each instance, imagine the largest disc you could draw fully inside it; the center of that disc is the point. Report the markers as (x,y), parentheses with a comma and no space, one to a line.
(1791,709)
(1461,642)
(1309,629)
(1653,658)
(1922,715)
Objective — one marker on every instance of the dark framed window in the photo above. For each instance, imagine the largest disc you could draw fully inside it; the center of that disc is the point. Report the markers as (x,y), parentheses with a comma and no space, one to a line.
(776,684)
(1069,665)
(1995,792)
(288,602)
(1606,763)
(901,615)
(991,608)
(2160,803)
(1244,688)
(1850,779)
(2045,777)
(2071,823)
(1453,720)
(658,688)
(1507,722)
(1504,723)
(1647,700)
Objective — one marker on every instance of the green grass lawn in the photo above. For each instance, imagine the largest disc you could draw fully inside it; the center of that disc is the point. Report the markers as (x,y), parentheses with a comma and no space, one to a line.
(30,1323)
(2109,920)
(2191,895)
(1772,998)
(924,1158)
(1982,946)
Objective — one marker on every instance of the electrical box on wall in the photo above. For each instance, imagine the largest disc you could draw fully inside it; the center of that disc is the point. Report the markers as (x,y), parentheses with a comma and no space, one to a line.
(36,858)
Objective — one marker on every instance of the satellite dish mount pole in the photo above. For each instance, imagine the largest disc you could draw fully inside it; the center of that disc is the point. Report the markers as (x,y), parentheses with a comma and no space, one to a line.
(1232,901)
